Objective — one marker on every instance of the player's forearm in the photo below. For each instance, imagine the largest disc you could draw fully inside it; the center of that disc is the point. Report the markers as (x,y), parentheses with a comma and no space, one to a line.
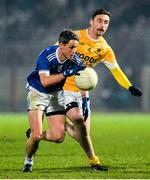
(51,79)
(121,78)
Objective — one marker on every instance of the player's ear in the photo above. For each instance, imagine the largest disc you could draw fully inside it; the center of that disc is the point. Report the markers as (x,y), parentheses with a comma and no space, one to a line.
(91,22)
(61,44)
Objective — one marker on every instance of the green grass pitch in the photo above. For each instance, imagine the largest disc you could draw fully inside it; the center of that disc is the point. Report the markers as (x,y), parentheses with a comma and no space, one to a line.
(121,140)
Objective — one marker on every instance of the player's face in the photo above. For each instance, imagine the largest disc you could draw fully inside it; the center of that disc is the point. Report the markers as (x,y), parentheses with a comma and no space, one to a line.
(100,24)
(69,49)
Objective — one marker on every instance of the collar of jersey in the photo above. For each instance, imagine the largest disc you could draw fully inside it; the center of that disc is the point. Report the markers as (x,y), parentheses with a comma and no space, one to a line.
(90,37)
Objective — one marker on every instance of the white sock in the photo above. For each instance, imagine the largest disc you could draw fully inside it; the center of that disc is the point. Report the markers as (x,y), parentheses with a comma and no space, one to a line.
(28,160)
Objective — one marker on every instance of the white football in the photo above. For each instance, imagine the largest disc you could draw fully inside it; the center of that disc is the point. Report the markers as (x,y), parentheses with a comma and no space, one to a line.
(87,80)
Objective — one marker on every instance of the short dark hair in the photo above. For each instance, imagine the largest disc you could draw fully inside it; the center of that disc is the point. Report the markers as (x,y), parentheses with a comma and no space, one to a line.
(101,11)
(67,35)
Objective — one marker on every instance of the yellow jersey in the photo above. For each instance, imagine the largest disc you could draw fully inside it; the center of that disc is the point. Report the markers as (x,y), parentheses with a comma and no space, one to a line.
(93,52)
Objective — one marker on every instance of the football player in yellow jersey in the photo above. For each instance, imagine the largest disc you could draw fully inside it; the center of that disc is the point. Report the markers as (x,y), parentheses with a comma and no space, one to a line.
(92,49)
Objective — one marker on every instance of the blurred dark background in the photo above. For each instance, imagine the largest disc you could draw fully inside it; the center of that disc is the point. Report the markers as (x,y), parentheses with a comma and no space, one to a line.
(28,26)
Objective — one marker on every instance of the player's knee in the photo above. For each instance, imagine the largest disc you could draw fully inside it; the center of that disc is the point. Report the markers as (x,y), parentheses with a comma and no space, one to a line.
(56,137)
(36,136)
(75,117)
(59,137)
(59,140)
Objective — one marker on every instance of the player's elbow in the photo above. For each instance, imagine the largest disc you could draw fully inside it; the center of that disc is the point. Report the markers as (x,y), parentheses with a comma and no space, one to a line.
(44,80)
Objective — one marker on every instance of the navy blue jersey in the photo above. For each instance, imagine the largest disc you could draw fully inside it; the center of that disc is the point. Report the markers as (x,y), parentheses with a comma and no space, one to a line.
(49,63)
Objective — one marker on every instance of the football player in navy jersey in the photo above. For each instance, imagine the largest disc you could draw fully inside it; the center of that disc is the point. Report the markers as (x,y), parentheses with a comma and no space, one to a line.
(45,92)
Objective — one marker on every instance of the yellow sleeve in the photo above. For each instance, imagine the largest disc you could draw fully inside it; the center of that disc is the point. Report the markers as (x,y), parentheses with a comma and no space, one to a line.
(112,65)
(121,78)
(117,73)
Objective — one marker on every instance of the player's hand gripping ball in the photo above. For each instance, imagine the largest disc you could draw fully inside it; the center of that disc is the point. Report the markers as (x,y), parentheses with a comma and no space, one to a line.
(87,79)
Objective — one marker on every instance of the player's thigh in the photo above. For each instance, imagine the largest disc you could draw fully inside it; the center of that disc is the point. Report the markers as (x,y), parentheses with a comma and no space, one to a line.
(56,123)
(35,121)
(74,113)
(73,103)
(71,98)
(37,103)
(55,112)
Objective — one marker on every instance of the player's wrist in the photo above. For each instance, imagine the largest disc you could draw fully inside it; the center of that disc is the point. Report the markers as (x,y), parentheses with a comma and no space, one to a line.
(62,74)
(85,98)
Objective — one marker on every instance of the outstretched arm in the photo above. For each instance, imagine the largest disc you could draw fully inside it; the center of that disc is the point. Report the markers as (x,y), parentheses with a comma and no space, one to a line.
(122,79)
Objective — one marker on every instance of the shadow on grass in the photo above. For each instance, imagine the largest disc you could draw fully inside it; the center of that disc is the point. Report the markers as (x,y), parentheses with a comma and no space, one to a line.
(83,169)
(66,169)
(53,170)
